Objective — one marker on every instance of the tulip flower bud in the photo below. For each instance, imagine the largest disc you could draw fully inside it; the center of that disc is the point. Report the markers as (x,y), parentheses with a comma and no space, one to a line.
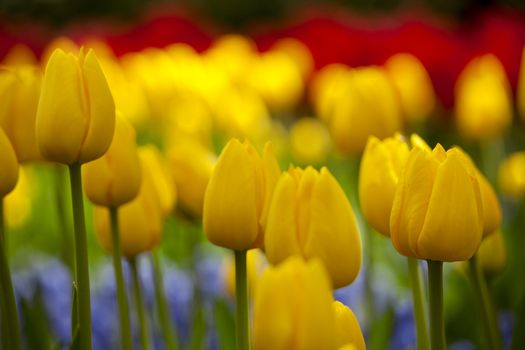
(140,221)
(483,99)
(20,89)
(114,178)
(238,195)
(511,175)
(368,107)
(437,212)
(381,166)
(492,255)
(191,166)
(347,327)
(311,216)
(293,308)
(413,86)
(160,182)
(8,164)
(75,120)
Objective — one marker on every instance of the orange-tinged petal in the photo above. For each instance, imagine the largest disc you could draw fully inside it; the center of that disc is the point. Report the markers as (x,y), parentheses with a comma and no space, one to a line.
(332,231)
(62,119)
(280,238)
(101,109)
(230,214)
(453,226)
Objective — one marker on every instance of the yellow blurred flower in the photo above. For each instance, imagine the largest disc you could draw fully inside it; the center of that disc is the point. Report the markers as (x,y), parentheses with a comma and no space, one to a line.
(483,99)
(492,254)
(20,55)
(191,165)
(114,179)
(18,203)
(238,195)
(277,79)
(310,216)
(20,91)
(75,121)
(437,212)
(8,164)
(141,220)
(413,86)
(328,86)
(310,141)
(368,107)
(298,52)
(347,327)
(293,308)
(511,175)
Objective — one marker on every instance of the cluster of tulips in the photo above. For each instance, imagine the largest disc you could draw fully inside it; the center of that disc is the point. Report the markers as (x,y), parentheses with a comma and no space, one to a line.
(86,111)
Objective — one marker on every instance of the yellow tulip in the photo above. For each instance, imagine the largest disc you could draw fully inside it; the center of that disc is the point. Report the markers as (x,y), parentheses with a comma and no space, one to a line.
(309,141)
(511,175)
(238,195)
(298,52)
(75,121)
(437,212)
(159,182)
(18,203)
(310,216)
(483,99)
(20,55)
(381,166)
(368,106)
(140,221)
(191,166)
(114,179)
(347,327)
(293,308)
(492,255)
(8,164)
(328,86)
(20,90)
(413,85)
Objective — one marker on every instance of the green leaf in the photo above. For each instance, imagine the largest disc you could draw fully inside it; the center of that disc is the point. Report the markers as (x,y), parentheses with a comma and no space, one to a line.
(198,335)
(36,330)
(381,331)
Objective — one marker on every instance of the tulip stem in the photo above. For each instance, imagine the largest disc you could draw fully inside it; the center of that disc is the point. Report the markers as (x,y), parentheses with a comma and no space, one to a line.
(241,296)
(487,311)
(81,258)
(168,330)
(60,199)
(419,304)
(122,299)
(139,305)
(435,288)
(8,302)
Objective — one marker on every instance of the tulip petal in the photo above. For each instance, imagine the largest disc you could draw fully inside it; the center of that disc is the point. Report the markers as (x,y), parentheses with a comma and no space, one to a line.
(347,327)
(230,205)
(62,119)
(453,225)
(280,239)
(411,200)
(8,164)
(333,235)
(101,110)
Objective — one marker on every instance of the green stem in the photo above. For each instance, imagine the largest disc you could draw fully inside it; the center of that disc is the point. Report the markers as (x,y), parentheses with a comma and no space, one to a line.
(241,296)
(487,311)
(168,331)
(419,304)
(435,287)
(81,258)
(9,312)
(67,244)
(122,299)
(368,276)
(139,305)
